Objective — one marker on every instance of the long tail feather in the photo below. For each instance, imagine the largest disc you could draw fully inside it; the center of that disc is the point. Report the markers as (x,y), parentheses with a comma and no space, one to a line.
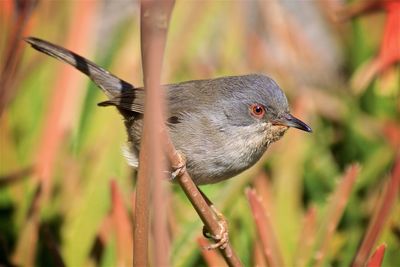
(111,85)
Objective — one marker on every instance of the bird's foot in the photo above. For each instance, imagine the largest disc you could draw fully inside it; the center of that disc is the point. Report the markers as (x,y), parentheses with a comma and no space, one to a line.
(222,238)
(180,168)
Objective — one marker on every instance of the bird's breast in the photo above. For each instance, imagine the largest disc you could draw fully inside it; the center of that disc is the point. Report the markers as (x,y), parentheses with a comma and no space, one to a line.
(218,154)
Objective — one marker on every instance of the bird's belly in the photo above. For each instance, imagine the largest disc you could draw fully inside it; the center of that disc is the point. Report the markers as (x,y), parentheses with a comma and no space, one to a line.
(215,171)
(207,166)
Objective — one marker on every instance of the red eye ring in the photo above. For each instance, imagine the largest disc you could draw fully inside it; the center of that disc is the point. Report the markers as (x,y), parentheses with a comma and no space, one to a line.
(257,110)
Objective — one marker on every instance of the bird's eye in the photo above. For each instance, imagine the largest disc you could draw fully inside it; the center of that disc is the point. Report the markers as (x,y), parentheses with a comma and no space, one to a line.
(257,110)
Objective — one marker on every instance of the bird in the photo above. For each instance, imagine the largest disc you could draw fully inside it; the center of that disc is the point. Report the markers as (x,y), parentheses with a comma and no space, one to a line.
(222,126)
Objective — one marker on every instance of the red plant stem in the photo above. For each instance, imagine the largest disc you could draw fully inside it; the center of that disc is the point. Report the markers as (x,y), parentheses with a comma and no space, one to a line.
(265,230)
(335,211)
(381,214)
(258,254)
(154,20)
(122,227)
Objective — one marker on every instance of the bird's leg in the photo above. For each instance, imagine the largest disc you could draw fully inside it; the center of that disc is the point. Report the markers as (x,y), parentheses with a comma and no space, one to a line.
(222,239)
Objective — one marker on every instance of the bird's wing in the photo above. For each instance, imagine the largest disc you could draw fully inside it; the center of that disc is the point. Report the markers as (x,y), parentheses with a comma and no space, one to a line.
(111,85)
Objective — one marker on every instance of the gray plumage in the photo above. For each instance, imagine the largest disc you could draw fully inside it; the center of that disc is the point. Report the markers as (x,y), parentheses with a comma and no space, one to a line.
(210,121)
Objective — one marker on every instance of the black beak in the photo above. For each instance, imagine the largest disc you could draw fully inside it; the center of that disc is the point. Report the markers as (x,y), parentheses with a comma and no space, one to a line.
(291,121)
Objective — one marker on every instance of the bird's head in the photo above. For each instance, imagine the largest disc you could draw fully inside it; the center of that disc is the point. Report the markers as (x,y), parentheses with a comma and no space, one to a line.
(259,104)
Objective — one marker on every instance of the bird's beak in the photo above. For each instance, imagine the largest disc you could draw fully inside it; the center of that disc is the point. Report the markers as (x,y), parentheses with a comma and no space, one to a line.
(291,121)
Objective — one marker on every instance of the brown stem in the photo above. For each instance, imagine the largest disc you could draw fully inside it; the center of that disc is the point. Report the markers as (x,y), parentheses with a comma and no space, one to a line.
(154,20)
(265,230)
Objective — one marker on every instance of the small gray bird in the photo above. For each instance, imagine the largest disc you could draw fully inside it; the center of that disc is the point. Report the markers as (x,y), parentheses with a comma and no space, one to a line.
(223,126)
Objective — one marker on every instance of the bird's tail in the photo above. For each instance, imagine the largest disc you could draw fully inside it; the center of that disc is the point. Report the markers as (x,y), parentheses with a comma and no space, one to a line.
(111,85)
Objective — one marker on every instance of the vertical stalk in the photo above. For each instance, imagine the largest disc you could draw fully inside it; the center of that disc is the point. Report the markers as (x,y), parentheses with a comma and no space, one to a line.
(154,20)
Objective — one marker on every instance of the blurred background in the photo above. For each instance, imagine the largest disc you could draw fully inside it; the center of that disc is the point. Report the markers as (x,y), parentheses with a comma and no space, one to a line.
(67,194)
